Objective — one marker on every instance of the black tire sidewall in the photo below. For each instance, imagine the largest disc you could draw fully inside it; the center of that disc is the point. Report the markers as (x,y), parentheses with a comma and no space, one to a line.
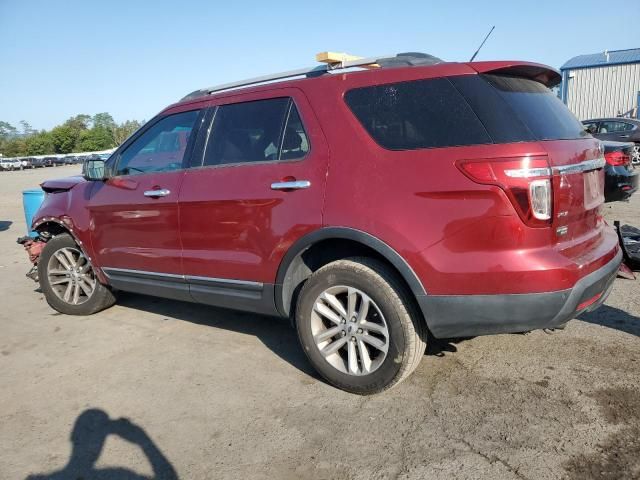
(392,364)
(52,246)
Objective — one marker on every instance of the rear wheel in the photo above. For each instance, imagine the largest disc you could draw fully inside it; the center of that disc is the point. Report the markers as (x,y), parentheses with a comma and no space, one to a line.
(358,326)
(68,281)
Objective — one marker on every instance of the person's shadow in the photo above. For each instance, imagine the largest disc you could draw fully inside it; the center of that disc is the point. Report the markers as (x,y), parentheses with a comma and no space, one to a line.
(88,436)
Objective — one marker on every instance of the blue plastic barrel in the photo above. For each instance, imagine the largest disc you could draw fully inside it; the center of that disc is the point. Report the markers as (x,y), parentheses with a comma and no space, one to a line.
(31,201)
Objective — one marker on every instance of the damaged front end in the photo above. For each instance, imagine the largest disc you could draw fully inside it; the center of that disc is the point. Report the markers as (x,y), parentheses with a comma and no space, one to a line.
(33,247)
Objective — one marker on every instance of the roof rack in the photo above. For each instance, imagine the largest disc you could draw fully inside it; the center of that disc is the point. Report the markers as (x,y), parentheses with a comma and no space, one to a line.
(332,61)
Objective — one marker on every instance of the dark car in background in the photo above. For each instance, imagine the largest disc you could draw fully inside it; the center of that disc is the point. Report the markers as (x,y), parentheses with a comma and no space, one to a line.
(617,130)
(621,178)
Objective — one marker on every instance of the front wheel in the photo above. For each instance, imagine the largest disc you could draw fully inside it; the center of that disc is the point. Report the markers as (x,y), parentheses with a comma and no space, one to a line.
(68,281)
(358,326)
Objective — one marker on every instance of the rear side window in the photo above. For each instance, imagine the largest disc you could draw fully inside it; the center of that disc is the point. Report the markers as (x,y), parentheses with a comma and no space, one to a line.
(614,127)
(417,114)
(257,131)
(462,110)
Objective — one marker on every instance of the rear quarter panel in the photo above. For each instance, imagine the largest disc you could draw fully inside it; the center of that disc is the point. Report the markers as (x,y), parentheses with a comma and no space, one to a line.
(458,236)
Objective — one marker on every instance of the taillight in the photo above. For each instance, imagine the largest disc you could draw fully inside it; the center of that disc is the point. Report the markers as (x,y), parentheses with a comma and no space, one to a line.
(617,158)
(525,180)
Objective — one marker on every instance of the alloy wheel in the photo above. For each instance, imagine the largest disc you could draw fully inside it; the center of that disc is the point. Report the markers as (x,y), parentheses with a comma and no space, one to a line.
(71,276)
(349,330)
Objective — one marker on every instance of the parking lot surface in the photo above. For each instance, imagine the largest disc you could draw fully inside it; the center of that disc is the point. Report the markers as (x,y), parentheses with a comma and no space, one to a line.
(179,390)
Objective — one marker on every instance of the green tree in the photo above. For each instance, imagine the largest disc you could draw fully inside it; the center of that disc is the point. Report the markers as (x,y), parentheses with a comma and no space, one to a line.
(98,138)
(27,129)
(124,130)
(64,138)
(39,144)
(104,120)
(14,147)
(7,130)
(79,122)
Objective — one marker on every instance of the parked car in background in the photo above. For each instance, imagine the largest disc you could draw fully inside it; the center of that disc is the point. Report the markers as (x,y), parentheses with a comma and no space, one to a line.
(37,162)
(621,178)
(10,164)
(49,161)
(57,161)
(368,206)
(27,162)
(617,130)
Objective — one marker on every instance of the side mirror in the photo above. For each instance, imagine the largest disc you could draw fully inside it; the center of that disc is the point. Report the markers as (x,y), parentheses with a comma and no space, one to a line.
(94,170)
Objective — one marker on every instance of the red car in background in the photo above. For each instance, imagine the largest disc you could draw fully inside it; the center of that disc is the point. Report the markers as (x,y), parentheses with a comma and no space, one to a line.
(368,206)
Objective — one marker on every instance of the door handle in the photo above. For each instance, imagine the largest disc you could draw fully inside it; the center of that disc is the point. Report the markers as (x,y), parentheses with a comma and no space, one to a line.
(162,192)
(292,185)
(623,136)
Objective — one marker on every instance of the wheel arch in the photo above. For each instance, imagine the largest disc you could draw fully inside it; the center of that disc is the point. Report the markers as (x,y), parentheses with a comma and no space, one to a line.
(308,253)
(55,226)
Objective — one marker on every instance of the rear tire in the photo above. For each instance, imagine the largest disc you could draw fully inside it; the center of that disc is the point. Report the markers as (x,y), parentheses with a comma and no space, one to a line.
(359,327)
(68,281)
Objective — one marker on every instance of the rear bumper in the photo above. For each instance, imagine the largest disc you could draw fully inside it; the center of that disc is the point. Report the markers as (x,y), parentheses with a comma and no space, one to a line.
(471,315)
(620,183)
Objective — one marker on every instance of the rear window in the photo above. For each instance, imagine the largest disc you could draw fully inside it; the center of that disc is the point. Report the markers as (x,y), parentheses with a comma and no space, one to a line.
(464,110)
(537,107)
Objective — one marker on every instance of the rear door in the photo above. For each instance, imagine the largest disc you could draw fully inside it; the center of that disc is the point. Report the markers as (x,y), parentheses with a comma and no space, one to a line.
(258,188)
(134,214)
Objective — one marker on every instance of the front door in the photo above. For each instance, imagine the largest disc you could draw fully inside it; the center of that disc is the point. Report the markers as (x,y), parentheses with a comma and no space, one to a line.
(134,214)
(257,189)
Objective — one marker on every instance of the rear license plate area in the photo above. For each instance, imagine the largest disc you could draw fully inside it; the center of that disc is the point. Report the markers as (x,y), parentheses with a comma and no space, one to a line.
(593,190)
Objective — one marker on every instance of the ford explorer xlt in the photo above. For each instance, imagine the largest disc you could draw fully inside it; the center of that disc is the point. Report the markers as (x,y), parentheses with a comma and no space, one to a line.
(370,205)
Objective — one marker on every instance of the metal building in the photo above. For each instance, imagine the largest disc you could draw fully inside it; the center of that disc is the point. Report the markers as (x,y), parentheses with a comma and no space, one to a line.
(603,84)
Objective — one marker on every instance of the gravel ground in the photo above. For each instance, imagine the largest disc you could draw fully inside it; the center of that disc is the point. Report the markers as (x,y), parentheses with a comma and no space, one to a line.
(188,391)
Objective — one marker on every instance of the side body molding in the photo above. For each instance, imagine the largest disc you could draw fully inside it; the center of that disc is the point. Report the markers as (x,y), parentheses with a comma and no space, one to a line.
(293,271)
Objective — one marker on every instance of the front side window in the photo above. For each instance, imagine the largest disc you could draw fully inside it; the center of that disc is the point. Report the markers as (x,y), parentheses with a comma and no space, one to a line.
(256,131)
(161,148)
(591,127)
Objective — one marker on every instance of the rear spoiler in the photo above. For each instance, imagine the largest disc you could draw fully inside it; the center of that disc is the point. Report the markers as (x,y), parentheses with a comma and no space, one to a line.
(547,76)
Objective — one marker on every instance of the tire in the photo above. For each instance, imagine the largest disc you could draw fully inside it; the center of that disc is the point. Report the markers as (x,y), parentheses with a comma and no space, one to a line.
(60,282)
(390,307)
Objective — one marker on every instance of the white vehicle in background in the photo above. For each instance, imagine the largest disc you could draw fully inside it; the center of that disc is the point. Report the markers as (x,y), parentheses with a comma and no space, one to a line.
(10,164)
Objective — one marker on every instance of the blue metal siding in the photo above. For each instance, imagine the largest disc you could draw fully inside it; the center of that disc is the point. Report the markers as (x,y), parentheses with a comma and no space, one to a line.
(616,57)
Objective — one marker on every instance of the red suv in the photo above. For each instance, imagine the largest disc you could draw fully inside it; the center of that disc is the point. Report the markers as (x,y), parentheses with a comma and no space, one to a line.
(369,206)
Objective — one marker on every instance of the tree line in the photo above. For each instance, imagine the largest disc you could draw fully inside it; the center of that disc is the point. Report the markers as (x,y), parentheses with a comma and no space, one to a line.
(82,133)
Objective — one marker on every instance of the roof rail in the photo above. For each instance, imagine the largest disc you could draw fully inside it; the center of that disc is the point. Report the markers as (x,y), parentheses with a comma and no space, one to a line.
(332,61)
(348,61)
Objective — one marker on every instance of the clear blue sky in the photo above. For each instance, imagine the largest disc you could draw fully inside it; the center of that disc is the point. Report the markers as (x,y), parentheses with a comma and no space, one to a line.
(132,58)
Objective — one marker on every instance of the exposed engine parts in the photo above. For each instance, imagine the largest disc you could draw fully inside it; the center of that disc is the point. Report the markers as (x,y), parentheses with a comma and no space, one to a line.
(33,247)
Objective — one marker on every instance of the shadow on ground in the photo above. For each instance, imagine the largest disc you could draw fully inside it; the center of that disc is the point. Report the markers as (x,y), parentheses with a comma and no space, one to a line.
(613,318)
(275,333)
(4,225)
(88,437)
